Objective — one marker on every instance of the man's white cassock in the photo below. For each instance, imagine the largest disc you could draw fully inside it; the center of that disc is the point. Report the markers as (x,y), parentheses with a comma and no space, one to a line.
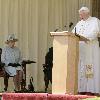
(89,56)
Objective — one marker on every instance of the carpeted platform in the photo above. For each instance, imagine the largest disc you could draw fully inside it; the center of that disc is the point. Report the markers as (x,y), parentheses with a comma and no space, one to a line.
(42,96)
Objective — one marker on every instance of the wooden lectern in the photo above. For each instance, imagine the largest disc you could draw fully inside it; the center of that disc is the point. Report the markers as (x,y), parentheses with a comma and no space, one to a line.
(65,62)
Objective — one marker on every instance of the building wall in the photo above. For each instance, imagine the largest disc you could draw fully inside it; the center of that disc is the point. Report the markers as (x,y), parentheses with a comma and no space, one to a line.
(32,21)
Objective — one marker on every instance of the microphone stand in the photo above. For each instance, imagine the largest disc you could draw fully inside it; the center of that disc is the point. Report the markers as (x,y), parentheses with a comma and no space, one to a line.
(76,33)
(56,30)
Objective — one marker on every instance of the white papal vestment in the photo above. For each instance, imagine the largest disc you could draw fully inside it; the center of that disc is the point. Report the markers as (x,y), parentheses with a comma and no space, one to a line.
(89,56)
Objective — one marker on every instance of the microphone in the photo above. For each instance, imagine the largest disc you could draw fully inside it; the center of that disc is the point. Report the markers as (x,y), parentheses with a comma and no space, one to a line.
(70,24)
(65,26)
(75,30)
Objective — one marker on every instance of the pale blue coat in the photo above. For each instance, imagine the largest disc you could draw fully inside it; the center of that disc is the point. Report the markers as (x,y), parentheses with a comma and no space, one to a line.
(11,55)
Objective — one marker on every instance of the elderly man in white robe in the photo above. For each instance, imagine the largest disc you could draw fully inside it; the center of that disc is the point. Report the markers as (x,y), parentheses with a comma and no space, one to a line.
(89,57)
(12,55)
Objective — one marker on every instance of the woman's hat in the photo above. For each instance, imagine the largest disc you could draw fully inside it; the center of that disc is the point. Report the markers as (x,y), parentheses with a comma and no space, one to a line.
(10,37)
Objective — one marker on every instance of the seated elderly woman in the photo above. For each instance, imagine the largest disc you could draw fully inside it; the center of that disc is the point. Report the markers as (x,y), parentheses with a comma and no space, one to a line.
(11,56)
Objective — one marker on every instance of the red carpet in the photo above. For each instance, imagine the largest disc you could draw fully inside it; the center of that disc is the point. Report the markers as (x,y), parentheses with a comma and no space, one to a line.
(67,97)
(42,96)
(24,96)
